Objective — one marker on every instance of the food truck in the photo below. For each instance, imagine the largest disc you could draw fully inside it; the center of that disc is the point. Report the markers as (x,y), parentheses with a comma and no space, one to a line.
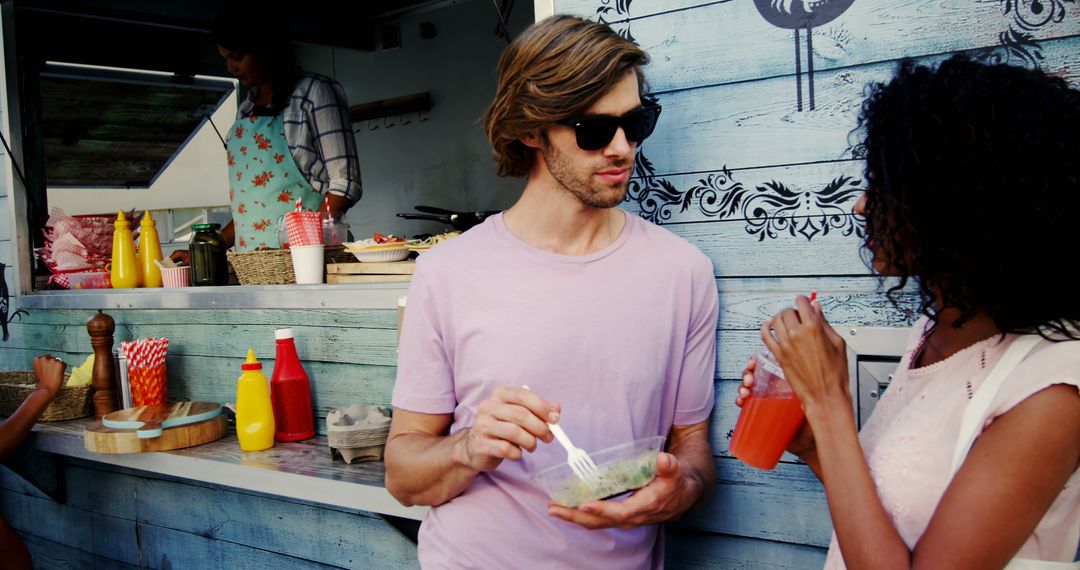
(114,106)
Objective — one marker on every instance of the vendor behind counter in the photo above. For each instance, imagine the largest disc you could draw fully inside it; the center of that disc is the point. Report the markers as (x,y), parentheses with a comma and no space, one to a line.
(292,139)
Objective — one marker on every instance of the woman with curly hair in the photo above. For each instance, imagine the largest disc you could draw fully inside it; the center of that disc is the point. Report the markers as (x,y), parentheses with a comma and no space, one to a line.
(971,457)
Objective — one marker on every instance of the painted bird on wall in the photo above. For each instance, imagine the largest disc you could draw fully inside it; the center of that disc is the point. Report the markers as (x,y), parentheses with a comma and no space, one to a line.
(796,15)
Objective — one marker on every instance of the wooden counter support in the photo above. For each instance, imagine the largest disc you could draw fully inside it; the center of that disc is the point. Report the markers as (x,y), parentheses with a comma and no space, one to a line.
(101,328)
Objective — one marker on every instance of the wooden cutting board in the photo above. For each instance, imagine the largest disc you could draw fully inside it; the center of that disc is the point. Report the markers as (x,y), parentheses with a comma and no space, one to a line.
(101,439)
(148,421)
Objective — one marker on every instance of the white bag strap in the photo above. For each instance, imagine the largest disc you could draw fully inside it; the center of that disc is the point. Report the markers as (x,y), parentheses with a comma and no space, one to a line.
(984,396)
(974,416)
(1026,564)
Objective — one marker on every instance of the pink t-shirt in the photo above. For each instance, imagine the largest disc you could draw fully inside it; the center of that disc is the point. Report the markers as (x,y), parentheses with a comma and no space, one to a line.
(623,338)
(910,438)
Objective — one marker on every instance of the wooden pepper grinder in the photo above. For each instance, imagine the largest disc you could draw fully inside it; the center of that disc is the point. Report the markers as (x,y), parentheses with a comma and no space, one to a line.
(101,328)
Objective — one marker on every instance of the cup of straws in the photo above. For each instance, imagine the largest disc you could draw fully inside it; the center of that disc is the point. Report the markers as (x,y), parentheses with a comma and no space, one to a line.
(146,370)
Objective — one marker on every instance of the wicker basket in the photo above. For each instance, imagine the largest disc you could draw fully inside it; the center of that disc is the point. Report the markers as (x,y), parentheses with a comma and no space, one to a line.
(72,402)
(274,266)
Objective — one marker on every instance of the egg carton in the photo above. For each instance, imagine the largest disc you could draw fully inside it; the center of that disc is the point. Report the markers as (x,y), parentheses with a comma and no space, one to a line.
(358,432)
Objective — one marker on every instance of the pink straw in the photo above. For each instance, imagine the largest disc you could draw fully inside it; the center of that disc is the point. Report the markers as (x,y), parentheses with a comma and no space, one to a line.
(299,204)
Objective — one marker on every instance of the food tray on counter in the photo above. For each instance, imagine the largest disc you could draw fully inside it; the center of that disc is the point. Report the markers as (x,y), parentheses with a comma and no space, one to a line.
(370,272)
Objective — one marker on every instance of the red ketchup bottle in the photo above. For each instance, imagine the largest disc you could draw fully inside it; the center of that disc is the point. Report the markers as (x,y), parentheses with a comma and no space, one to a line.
(290,391)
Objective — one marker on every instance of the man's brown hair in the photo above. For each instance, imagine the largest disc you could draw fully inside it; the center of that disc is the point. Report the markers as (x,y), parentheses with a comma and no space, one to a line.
(555,69)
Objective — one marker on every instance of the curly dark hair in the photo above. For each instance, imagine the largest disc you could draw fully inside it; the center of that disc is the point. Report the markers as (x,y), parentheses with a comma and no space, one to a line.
(973,190)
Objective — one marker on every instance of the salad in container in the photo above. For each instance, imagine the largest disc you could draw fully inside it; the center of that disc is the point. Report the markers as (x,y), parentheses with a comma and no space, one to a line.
(623,468)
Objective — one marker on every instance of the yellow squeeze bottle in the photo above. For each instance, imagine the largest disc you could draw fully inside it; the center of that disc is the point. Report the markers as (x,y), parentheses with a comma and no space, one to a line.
(149,252)
(254,412)
(125,267)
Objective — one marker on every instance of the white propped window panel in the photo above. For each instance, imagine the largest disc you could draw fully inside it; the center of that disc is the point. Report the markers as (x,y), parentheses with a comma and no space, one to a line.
(542,9)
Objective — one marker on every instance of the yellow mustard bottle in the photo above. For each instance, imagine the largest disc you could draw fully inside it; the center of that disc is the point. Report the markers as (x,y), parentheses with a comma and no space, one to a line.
(149,252)
(125,266)
(254,412)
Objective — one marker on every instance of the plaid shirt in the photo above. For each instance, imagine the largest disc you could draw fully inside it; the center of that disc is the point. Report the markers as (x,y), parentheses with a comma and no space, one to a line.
(319,134)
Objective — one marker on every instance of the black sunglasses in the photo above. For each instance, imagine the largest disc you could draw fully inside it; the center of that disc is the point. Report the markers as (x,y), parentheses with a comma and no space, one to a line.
(594,133)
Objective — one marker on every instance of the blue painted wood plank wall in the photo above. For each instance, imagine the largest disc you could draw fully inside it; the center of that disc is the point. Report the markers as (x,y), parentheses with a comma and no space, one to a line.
(731,127)
(754,161)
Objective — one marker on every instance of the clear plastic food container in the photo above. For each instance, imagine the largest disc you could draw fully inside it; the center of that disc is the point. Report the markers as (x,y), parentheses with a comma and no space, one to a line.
(623,468)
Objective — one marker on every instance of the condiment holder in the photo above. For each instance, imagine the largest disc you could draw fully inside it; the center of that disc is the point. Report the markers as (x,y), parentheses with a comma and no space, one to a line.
(358,432)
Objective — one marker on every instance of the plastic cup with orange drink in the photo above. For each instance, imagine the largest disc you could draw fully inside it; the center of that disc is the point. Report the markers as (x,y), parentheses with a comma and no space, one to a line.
(770,417)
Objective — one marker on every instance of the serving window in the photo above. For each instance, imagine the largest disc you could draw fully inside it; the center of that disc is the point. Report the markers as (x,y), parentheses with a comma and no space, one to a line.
(113,107)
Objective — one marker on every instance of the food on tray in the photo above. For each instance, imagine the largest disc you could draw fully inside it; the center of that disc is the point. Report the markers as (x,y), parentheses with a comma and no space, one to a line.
(426,244)
(378,242)
(380,238)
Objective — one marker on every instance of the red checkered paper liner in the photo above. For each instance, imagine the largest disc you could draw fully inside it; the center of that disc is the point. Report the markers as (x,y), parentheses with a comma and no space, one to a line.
(304,228)
(74,243)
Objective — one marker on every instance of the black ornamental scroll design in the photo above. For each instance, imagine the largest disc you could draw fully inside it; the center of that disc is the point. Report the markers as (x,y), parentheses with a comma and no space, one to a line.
(1017,44)
(654,196)
(771,210)
(616,15)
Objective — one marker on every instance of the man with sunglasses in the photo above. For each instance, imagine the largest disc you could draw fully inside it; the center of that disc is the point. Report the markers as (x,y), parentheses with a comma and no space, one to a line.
(610,321)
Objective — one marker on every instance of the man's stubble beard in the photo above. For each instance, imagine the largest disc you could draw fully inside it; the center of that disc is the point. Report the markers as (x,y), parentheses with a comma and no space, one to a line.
(580,184)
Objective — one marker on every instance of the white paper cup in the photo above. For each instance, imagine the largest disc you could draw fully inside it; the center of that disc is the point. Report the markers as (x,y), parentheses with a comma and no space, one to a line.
(308,263)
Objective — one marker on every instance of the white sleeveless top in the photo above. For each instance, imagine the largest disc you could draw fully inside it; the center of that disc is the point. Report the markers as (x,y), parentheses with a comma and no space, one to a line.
(910,438)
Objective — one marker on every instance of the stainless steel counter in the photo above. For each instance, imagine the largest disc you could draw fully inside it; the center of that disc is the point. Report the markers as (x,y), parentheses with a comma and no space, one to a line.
(360,296)
(301,470)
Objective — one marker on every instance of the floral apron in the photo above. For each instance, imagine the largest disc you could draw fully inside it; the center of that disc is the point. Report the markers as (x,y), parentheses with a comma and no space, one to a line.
(264,181)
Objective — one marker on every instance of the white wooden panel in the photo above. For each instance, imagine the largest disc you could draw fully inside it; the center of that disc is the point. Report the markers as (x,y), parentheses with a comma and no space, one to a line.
(696,550)
(168,548)
(95,533)
(619,10)
(284,527)
(736,253)
(356,346)
(730,41)
(785,504)
(213,379)
(49,555)
(269,318)
(746,303)
(755,124)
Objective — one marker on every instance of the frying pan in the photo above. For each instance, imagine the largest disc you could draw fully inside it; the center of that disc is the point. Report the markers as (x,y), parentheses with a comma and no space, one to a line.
(460,221)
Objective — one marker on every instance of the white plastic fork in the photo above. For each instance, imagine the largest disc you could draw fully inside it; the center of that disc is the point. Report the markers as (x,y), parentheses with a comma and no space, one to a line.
(579,461)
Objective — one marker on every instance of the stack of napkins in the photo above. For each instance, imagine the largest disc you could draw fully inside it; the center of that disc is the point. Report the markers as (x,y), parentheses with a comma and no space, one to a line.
(358,432)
